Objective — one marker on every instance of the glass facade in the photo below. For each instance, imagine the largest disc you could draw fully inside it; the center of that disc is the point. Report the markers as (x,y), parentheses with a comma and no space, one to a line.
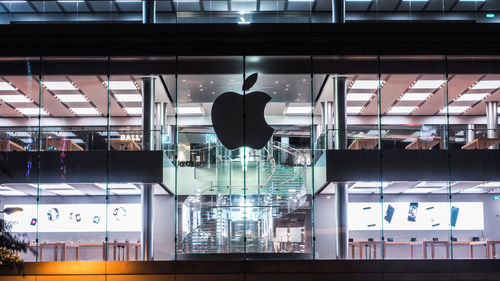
(246,11)
(192,158)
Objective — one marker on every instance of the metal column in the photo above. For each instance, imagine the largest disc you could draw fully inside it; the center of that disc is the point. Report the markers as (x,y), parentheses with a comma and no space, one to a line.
(147,196)
(341,198)
(492,121)
(338,11)
(159,125)
(148,11)
(470,133)
(327,122)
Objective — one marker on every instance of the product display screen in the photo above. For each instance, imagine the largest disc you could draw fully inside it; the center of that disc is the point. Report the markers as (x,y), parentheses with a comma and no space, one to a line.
(75,218)
(416,216)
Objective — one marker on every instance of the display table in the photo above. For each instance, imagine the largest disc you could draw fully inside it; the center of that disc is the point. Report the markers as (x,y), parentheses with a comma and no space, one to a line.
(62,145)
(369,244)
(481,143)
(433,248)
(124,145)
(423,144)
(77,246)
(7,145)
(363,144)
(490,248)
(402,243)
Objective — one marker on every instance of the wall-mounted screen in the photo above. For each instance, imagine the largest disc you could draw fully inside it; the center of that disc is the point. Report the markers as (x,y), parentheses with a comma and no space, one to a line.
(75,218)
(416,216)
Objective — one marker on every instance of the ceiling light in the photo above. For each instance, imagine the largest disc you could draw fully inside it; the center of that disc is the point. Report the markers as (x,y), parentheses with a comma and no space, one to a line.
(489,184)
(474,190)
(14,98)
(19,134)
(85,111)
(472,97)
(72,98)
(454,109)
(353,109)
(126,191)
(128,98)
(402,109)
(7,191)
(117,185)
(422,189)
(365,84)
(361,184)
(298,110)
(30,111)
(4,86)
(359,96)
(486,84)
(415,96)
(64,134)
(427,84)
(59,85)
(425,184)
(364,190)
(189,110)
(122,85)
(52,186)
(68,192)
(134,110)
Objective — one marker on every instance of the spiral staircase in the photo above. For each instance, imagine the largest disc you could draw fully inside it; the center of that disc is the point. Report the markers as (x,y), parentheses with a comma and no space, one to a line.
(225,218)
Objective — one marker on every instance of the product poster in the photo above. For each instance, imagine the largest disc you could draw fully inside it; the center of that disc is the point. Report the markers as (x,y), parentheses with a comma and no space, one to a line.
(75,218)
(416,216)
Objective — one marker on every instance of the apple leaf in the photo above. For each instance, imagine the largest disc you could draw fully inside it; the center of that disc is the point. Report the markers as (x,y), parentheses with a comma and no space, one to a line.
(249,82)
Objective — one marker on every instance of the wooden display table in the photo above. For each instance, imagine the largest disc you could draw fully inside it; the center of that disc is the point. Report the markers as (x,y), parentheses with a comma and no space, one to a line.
(471,245)
(363,144)
(371,244)
(7,145)
(481,143)
(490,248)
(433,248)
(124,145)
(402,243)
(62,145)
(77,246)
(423,144)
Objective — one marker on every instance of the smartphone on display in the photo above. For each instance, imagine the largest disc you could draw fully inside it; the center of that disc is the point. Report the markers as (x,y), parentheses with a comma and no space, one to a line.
(389,213)
(412,211)
(97,219)
(33,221)
(78,217)
(454,215)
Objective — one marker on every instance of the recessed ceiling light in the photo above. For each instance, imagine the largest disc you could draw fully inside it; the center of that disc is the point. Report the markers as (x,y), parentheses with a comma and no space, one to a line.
(72,98)
(415,96)
(365,84)
(134,110)
(52,186)
(85,111)
(14,98)
(122,85)
(474,190)
(427,84)
(368,184)
(30,111)
(472,96)
(353,109)
(19,134)
(189,110)
(454,109)
(489,184)
(422,189)
(59,85)
(128,98)
(67,192)
(402,109)
(117,185)
(298,110)
(7,191)
(425,184)
(359,96)
(487,84)
(4,86)
(64,134)
(126,191)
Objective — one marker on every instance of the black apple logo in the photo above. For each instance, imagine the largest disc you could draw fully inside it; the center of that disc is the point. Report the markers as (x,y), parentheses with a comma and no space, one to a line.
(238,120)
